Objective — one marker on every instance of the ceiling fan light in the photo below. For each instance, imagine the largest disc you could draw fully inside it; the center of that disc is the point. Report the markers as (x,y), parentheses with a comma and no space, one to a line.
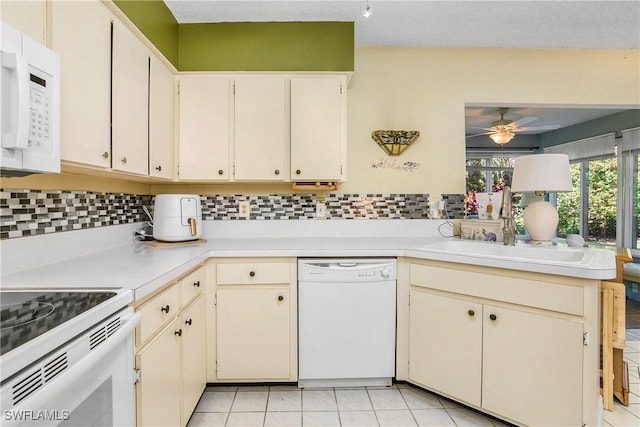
(502,137)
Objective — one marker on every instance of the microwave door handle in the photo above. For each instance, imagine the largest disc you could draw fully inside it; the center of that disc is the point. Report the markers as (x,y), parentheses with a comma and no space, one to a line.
(18,138)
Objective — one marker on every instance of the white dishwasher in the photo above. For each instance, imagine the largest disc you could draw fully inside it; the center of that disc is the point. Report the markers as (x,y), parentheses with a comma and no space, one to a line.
(346,322)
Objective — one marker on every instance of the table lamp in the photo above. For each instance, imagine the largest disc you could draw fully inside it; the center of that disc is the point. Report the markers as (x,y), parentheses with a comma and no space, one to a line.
(540,173)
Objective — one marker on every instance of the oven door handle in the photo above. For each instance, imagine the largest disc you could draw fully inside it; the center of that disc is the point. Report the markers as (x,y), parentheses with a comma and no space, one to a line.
(62,383)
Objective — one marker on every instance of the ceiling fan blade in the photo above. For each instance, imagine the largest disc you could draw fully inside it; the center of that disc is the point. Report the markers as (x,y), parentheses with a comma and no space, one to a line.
(523,121)
(536,128)
(478,134)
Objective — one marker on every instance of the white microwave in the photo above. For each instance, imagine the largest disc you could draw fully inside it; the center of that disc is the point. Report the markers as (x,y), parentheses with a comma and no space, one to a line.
(30,110)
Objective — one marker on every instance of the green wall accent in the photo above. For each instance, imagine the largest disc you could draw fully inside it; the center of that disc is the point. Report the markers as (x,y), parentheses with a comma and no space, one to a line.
(267,46)
(156,22)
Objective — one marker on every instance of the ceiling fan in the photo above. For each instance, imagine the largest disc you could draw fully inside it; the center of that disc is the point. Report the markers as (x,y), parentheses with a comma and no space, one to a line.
(503,130)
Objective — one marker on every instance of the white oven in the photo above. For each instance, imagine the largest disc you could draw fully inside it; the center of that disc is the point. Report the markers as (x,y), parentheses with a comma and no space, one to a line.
(87,381)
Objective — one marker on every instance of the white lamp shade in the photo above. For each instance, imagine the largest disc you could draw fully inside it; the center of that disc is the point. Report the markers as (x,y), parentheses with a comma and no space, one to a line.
(542,172)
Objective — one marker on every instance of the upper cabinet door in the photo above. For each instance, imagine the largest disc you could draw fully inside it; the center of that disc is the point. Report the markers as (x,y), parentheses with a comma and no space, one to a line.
(81,35)
(130,105)
(260,129)
(318,129)
(204,129)
(161,120)
(28,17)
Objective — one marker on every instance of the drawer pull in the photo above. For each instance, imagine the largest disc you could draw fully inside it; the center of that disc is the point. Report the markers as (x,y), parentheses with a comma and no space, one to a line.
(277,171)
(178,332)
(220,172)
(280,298)
(188,322)
(298,171)
(493,317)
(196,284)
(166,308)
(252,273)
(471,313)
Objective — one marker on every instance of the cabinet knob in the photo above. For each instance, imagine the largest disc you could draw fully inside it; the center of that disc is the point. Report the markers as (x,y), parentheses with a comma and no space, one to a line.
(220,172)
(298,171)
(159,168)
(471,313)
(178,332)
(189,322)
(166,308)
(252,273)
(277,171)
(280,298)
(124,160)
(105,155)
(196,284)
(493,317)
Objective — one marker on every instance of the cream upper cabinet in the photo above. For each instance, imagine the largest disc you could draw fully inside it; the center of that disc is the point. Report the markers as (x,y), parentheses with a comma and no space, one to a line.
(318,129)
(81,35)
(161,120)
(204,134)
(453,366)
(130,106)
(28,17)
(260,131)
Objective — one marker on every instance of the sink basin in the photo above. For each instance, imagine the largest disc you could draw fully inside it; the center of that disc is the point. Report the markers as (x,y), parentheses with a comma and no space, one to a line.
(531,254)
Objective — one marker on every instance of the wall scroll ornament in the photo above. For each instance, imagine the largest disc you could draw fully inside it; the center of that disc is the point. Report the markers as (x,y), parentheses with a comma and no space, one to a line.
(394,142)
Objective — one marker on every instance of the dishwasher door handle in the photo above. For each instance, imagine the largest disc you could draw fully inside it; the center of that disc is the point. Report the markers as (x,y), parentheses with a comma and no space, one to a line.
(347,264)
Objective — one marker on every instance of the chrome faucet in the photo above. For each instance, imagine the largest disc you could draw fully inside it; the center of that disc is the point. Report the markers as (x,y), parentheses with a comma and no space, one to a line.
(508,229)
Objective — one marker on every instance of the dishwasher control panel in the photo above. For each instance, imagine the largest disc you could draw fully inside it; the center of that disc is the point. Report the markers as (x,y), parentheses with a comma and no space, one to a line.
(347,270)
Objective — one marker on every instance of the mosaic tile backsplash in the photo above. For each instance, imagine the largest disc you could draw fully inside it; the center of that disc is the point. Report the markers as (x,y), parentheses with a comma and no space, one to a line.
(32,212)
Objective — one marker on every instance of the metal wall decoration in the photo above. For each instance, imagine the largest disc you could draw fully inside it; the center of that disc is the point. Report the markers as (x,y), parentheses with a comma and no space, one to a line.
(394,142)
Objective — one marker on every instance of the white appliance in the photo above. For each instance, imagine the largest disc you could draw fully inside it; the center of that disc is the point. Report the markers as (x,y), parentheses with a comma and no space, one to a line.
(67,358)
(177,217)
(30,93)
(346,322)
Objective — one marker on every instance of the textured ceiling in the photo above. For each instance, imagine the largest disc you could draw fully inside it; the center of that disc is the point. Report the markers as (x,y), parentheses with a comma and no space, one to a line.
(573,24)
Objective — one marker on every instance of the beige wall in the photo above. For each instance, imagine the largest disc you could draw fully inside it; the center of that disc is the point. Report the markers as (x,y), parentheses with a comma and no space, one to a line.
(426,90)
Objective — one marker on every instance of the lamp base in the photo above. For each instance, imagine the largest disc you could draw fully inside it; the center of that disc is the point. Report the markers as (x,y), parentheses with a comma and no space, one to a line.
(541,220)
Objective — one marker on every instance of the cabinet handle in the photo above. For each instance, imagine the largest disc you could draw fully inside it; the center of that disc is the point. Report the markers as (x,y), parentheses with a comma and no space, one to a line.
(280,298)
(196,284)
(124,160)
(188,322)
(178,332)
(493,317)
(298,171)
(471,313)
(220,172)
(252,273)
(159,168)
(277,171)
(105,155)
(165,308)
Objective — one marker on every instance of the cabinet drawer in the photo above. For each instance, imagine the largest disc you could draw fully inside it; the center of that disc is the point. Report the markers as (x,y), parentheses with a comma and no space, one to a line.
(157,312)
(517,290)
(252,273)
(191,286)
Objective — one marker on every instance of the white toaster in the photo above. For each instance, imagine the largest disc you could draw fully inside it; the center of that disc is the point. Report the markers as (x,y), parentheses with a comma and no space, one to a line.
(177,217)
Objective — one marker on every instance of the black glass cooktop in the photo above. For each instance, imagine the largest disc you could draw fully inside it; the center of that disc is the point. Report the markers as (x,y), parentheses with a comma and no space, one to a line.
(26,315)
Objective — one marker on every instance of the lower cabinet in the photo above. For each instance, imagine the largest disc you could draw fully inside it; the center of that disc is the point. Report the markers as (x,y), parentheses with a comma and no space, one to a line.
(171,360)
(255,321)
(498,350)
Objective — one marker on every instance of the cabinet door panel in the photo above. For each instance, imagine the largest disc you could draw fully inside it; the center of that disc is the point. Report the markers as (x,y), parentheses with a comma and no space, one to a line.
(157,392)
(260,129)
(130,102)
(81,34)
(204,129)
(532,367)
(28,17)
(446,345)
(316,129)
(161,120)
(194,356)
(253,331)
